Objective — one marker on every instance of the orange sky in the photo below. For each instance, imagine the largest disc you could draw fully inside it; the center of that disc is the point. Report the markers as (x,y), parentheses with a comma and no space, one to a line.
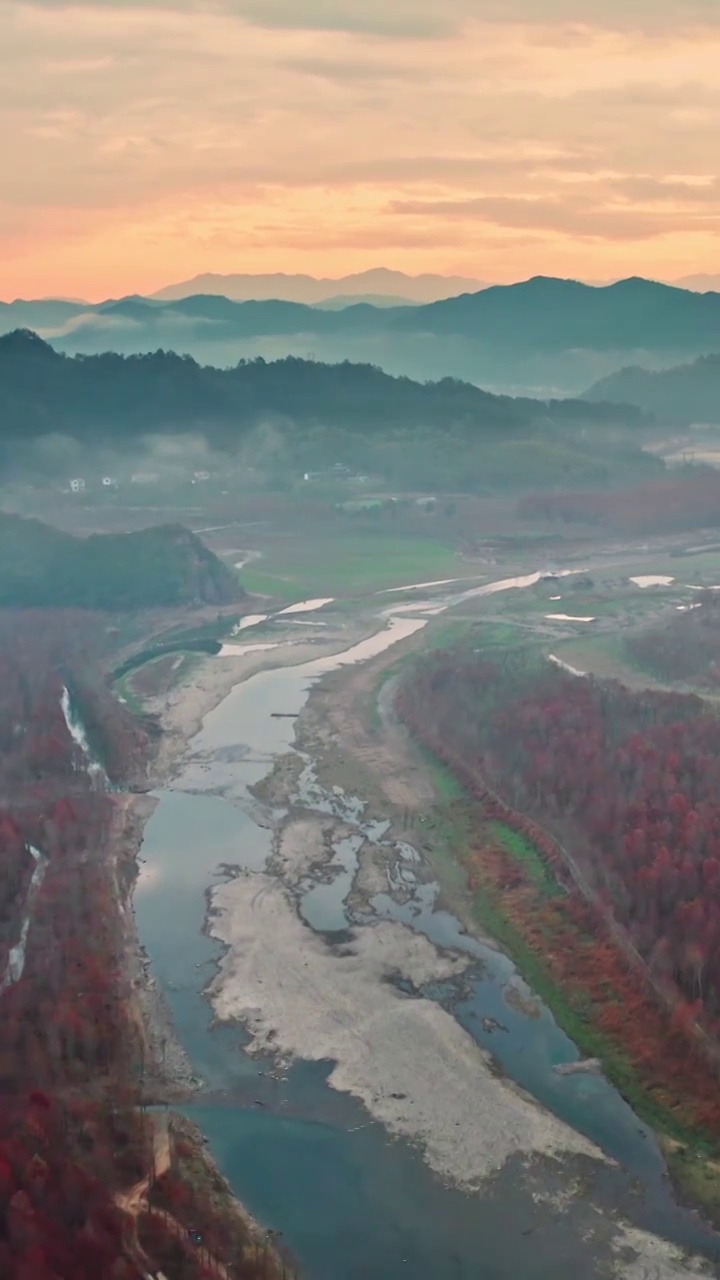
(143,143)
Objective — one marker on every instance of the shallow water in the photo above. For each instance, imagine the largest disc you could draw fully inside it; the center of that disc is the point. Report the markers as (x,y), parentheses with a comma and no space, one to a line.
(565,666)
(306,606)
(398,629)
(239,650)
(16,957)
(567,617)
(250,620)
(429,607)
(322,906)
(652,580)
(421,586)
(78,733)
(350,1201)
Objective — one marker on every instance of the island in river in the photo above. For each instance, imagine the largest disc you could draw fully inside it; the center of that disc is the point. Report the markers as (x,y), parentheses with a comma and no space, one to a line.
(379,1083)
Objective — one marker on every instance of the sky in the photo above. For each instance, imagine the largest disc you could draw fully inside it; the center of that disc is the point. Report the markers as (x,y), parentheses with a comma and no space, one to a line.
(144,142)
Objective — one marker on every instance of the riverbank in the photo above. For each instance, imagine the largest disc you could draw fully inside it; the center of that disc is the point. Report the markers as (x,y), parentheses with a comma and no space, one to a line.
(359,1002)
(600,997)
(166,1071)
(229,1230)
(179,710)
(317,989)
(182,708)
(351,729)
(253,1250)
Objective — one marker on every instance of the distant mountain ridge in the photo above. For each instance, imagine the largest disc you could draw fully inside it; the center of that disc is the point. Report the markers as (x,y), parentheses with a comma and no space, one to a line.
(378,281)
(702,283)
(540,338)
(544,312)
(340,301)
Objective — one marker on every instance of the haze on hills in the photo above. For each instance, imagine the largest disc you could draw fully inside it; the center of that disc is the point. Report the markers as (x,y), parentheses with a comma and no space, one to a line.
(63,416)
(378,281)
(43,567)
(703,282)
(683,395)
(543,337)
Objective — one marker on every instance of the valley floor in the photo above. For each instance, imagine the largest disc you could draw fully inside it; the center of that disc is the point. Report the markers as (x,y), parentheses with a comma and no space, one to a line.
(359,1000)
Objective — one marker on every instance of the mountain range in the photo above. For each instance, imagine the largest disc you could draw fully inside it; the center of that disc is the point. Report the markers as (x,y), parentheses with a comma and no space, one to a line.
(378,283)
(544,336)
(378,286)
(292,416)
(703,282)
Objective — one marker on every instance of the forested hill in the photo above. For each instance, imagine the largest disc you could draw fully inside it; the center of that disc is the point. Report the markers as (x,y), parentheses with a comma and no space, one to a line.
(682,395)
(110,396)
(165,565)
(291,416)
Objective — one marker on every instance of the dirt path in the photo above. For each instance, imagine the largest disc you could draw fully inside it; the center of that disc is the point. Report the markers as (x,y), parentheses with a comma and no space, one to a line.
(135,1202)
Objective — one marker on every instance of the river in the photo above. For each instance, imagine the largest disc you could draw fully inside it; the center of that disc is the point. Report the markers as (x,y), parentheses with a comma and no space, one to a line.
(308,1161)
(16,958)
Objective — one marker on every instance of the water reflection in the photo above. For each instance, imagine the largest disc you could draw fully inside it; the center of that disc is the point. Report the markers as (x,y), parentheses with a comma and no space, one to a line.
(306,606)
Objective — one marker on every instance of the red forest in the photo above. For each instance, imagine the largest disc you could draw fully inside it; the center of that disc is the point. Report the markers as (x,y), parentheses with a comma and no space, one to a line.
(626,787)
(82,1175)
(686,648)
(660,505)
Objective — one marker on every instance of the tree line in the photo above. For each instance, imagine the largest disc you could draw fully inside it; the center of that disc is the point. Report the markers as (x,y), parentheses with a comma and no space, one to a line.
(106,396)
(617,793)
(687,648)
(688,501)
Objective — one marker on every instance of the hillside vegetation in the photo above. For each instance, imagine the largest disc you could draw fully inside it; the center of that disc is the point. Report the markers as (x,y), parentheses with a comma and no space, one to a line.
(165,565)
(537,337)
(685,394)
(690,500)
(628,780)
(543,313)
(687,648)
(594,829)
(301,414)
(93,1185)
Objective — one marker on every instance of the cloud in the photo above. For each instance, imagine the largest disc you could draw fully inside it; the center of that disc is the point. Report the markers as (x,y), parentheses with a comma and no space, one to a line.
(645,189)
(426,19)
(415,19)
(141,141)
(582,218)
